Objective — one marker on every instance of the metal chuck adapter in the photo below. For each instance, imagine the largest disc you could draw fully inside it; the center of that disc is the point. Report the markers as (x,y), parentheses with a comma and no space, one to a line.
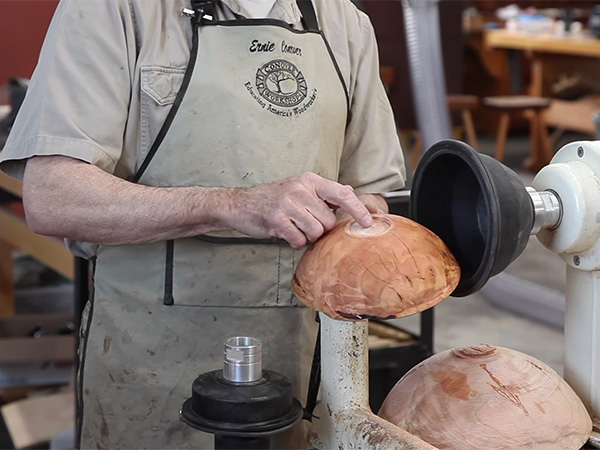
(242,404)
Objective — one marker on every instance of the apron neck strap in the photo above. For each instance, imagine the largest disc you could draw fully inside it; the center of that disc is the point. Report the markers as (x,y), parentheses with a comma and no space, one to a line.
(309,17)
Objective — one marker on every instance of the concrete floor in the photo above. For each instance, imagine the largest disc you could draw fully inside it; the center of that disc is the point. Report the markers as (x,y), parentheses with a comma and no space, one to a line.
(475,319)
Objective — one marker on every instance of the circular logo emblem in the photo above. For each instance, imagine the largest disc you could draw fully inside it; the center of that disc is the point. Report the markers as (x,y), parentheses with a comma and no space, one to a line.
(281,83)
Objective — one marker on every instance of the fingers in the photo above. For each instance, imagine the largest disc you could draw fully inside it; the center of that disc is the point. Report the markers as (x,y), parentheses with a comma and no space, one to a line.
(312,218)
(320,212)
(310,227)
(296,209)
(372,208)
(301,228)
(375,203)
(292,234)
(337,194)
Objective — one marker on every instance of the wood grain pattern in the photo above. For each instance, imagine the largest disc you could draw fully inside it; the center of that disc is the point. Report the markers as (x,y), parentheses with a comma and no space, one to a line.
(486,397)
(393,269)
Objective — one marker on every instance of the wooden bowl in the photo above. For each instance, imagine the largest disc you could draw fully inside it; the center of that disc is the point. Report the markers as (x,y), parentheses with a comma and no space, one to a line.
(487,397)
(392,269)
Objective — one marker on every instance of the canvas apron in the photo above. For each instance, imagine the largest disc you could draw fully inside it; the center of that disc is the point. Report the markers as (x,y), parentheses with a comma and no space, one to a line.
(261,102)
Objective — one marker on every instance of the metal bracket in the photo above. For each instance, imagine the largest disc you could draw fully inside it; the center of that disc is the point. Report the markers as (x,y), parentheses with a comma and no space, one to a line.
(202,11)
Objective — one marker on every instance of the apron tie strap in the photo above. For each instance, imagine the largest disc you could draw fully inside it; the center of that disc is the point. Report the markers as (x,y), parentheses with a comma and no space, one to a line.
(309,16)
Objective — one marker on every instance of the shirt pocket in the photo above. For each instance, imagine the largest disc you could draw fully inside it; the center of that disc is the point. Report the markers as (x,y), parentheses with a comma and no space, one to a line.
(159,86)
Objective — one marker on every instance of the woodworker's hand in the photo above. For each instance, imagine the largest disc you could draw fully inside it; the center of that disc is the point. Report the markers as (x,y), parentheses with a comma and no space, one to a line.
(297,209)
(375,203)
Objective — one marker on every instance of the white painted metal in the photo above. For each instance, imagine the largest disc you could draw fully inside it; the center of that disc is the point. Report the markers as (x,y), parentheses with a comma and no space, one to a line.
(574,175)
(577,186)
(344,419)
(582,337)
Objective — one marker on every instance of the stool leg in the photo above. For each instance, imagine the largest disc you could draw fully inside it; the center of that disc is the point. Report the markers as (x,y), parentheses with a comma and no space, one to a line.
(502,134)
(556,135)
(457,133)
(7,287)
(541,146)
(416,151)
(533,161)
(545,143)
(405,138)
(469,128)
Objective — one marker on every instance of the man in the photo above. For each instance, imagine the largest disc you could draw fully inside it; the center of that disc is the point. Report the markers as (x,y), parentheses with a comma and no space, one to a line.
(190,150)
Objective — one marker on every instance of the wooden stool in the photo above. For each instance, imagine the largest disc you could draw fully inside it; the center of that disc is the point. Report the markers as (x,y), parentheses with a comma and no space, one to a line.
(533,107)
(465,104)
(456,102)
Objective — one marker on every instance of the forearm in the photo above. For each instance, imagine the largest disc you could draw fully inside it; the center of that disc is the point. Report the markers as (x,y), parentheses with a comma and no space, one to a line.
(65,197)
(69,198)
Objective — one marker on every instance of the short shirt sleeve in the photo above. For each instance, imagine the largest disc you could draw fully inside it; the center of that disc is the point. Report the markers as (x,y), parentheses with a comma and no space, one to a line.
(78,98)
(372,159)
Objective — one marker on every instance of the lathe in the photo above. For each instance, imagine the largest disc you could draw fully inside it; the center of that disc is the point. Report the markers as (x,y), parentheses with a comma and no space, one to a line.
(485,215)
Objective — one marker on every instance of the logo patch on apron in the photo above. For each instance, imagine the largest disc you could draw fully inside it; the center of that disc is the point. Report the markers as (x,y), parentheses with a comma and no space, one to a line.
(282,85)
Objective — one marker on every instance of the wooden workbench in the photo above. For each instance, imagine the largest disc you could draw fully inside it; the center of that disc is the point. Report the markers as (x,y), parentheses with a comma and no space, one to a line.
(550,56)
(582,45)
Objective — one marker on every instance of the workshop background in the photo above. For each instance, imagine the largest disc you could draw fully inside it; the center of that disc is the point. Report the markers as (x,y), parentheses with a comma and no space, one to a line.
(508,101)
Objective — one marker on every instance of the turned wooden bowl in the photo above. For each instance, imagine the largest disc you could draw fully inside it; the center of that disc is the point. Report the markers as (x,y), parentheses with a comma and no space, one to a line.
(487,397)
(392,269)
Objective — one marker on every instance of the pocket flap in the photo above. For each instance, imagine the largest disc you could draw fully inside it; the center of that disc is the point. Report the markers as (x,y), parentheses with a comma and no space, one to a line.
(161,83)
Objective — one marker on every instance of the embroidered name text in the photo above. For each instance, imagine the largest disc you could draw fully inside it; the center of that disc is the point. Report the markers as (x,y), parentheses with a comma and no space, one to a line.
(257,46)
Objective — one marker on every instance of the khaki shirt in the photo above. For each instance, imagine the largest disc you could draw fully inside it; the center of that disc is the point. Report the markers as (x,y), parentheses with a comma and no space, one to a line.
(97,95)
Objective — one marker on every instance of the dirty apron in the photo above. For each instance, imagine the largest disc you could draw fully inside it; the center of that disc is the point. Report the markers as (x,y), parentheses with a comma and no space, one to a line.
(260,102)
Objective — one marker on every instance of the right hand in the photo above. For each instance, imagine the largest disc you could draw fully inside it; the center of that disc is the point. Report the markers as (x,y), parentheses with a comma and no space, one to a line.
(296,209)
